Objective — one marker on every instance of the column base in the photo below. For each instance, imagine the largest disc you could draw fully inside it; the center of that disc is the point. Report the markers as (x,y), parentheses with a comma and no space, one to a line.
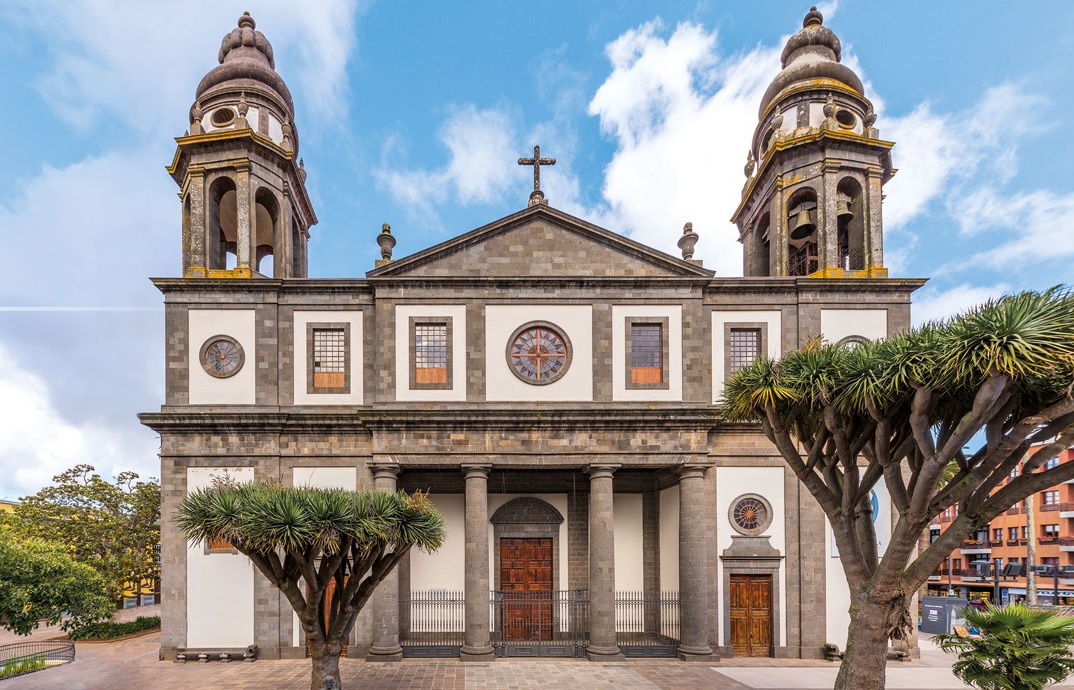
(385,654)
(486,653)
(696,654)
(604,653)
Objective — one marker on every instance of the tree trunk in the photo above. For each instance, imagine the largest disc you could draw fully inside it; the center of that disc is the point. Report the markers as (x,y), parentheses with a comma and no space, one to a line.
(865,661)
(325,666)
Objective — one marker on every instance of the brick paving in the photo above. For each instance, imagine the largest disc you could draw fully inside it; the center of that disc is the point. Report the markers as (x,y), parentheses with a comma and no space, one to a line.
(132,664)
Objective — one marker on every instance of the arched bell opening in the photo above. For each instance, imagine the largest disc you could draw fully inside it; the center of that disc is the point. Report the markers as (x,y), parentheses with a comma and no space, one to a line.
(267,218)
(221,242)
(762,248)
(850,220)
(802,233)
(187,249)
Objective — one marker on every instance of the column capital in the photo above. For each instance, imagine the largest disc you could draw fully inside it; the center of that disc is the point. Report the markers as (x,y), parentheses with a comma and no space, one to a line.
(385,471)
(693,470)
(476,470)
(602,471)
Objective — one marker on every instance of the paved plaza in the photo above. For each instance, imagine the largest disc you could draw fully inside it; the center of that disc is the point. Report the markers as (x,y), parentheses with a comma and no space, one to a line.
(132,664)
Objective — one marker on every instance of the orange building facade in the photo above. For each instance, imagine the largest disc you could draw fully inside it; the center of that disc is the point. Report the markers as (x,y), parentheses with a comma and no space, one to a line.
(969,572)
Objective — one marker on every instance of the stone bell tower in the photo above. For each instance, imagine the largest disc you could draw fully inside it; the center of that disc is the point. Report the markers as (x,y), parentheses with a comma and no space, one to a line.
(811,205)
(246,213)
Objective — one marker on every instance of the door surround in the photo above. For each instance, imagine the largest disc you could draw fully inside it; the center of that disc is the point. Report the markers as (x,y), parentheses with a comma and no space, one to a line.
(526,518)
(749,555)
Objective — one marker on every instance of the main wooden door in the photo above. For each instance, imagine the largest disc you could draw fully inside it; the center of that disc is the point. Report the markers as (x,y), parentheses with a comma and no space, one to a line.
(751,615)
(526,583)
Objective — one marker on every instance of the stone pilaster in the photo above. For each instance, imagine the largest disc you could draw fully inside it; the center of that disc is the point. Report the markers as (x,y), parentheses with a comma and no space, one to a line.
(603,645)
(245,250)
(198,224)
(477,644)
(386,597)
(693,567)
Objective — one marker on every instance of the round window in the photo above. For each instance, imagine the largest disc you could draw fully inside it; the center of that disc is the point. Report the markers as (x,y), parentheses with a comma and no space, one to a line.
(750,514)
(845,118)
(538,353)
(222,356)
(222,117)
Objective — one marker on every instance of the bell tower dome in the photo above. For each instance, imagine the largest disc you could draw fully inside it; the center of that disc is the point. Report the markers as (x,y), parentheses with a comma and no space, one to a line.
(811,205)
(246,212)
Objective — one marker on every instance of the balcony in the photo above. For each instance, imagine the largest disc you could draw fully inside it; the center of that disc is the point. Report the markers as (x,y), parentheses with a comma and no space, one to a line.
(976,546)
(1066,544)
(1066,510)
(1048,541)
(1016,542)
(1049,507)
(1013,510)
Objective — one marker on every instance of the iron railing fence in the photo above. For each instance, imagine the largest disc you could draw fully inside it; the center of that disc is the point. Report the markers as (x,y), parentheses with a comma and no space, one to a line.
(432,623)
(647,623)
(550,623)
(26,657)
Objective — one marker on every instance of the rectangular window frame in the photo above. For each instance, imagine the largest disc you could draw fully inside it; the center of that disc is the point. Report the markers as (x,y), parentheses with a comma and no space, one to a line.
(762,350)
(629,323)
(1050,531)
(213,546)
(344,326)
(415,321)
(1050,498)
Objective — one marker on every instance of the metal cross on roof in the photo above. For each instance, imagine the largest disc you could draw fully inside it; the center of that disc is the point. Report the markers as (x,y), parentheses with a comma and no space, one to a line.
(536,196)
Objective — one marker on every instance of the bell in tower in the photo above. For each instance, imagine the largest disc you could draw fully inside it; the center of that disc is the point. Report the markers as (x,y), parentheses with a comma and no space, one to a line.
(246,213)
(811,205)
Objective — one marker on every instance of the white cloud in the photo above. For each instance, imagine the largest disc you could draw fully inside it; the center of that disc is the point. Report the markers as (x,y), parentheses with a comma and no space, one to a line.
(1036,225)
(682,118)
(932,304)
(138,62)
(480,166)
(37,442)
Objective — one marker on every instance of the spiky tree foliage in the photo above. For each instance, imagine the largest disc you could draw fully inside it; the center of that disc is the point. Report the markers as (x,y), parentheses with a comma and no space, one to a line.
(1019,649)
(900,411)
(304,540)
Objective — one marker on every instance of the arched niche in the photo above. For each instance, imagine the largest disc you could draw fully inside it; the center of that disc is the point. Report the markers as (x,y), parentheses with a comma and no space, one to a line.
(802,232)
(222,235)
(266,221)
(526,518)
(850,217)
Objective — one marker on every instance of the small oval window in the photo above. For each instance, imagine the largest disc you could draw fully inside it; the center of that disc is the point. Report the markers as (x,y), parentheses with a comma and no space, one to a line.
(845,118)
(223,117)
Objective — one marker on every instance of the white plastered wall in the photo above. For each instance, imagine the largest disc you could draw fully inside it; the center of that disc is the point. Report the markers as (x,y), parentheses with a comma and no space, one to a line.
(836,324)
(446,567)
(220,586)
(719,319)
(669,539)
(673,313)
(576,322)
(354,350)
(629,556)
(732,482)
(320,478)
(403,314)
(233,390)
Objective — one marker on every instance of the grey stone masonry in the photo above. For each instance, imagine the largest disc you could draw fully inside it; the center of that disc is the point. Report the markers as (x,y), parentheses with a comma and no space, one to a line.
(693,568)
(477,644)
(386,597)
(602,641)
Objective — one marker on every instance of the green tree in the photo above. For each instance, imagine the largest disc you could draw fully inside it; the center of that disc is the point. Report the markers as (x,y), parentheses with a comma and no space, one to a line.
(41,583)
(1019,649)
(899,411)
(305,539)
(112,527)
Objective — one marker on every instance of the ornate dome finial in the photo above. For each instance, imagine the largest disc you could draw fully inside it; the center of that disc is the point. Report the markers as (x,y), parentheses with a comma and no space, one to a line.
(246,21)
(812,18)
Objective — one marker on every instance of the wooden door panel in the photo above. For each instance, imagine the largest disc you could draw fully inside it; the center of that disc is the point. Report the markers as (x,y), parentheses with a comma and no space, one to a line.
(750,598)
(525,573)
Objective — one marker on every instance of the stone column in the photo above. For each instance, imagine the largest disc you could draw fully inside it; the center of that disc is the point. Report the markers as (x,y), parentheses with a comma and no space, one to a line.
(477,645)
(198,224)
(386,597)
(245,221)
(603,645)
(693,567)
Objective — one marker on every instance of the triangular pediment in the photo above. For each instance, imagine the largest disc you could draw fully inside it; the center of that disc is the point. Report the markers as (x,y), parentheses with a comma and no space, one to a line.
(541,242)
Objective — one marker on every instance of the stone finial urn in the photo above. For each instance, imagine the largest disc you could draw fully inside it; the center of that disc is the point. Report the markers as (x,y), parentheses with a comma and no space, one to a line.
(387,242)
(687,241)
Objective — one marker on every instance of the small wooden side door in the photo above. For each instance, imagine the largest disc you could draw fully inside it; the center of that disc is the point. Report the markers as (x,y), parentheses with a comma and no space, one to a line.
(751,615)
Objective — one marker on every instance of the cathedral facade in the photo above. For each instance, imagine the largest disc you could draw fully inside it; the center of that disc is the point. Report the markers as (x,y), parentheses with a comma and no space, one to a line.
(552,384)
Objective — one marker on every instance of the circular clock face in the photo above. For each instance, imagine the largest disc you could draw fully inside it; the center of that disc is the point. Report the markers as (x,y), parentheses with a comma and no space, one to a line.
(222,356)
(539,353)
(750,514)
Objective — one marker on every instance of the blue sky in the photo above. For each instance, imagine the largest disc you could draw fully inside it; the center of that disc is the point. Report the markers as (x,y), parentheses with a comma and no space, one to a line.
(413,113)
